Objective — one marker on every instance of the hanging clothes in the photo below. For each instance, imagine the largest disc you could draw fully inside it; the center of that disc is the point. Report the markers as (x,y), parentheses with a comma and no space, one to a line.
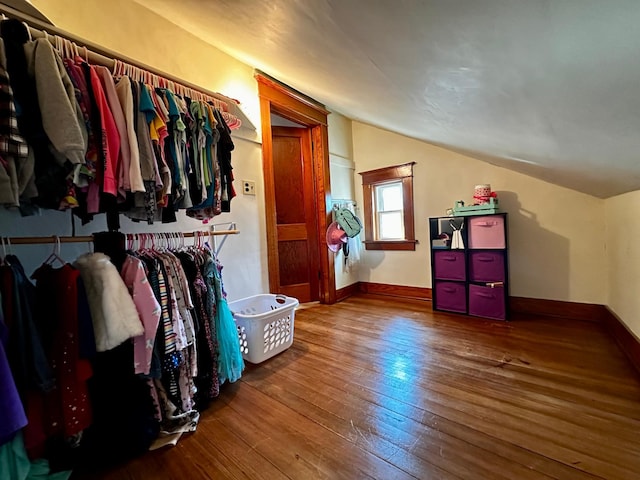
(12,415)
(82,140)
(61,319)
(225,148)
(16,465)
(46,178)
(114,315)
(207,381)
(125,97)
(230,361)
(13,147)
(124,149)
(126,365)
(135,278)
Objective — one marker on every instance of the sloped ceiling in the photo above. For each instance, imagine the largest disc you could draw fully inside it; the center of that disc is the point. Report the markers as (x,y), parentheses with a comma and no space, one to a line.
(550,88)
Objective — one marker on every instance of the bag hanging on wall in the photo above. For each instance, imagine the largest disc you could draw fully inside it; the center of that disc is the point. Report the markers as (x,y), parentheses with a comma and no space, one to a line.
(348,222)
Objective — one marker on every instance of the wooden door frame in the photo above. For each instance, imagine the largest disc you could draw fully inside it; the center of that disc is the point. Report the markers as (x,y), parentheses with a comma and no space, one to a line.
(280,100)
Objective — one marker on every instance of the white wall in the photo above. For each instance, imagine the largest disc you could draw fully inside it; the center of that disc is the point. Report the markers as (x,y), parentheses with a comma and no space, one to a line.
(138,33)
(342,188)
(556,235)
(623,256)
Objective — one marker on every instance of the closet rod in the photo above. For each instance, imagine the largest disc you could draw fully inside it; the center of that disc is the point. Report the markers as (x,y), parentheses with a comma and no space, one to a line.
(89,238)
(103,56)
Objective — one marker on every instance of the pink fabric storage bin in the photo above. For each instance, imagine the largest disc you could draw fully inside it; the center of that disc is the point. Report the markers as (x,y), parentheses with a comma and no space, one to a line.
(487,302)
(451,296)
(486,266)
(487,232)
(449,265)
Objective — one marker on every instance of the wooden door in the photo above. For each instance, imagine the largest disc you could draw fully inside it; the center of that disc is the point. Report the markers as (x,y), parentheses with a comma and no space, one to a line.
(296,222)
(276,98)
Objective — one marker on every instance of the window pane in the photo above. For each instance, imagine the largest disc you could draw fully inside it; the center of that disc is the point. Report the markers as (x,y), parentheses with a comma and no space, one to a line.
(388,208)
(390,226)
(389,196)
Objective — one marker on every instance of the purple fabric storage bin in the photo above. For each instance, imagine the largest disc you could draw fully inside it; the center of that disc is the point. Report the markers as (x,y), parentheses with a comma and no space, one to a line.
(451,296)
(487,302)
(449,265)
(487,232)
(486,267)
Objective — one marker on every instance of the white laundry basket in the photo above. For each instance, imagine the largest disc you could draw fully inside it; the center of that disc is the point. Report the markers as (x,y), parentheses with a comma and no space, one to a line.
(265,325)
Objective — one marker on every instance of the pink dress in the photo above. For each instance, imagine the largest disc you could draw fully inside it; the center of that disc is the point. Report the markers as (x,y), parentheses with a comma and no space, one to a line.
(135,277)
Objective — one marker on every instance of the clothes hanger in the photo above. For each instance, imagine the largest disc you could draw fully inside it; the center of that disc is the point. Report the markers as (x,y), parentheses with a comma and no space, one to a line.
(148,245)
(68,51)
(153,242)
(55,255)
(28,31)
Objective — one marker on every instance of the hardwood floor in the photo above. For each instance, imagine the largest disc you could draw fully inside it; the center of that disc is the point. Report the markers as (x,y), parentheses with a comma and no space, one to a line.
(376,387)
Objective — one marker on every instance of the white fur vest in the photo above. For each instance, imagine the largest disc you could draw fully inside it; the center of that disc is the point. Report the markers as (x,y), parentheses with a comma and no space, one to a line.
(114,315)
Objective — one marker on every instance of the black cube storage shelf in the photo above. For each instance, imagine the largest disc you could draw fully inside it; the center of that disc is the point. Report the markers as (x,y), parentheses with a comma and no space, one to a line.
(472,280)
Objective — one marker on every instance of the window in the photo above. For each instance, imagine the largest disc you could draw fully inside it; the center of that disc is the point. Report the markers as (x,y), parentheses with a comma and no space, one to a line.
(389,222)
(388,208)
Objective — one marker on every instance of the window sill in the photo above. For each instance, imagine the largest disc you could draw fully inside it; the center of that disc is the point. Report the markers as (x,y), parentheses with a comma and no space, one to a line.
(390,245)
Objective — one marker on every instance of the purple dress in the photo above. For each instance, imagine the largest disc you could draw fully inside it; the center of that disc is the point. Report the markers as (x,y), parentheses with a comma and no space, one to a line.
(12,417)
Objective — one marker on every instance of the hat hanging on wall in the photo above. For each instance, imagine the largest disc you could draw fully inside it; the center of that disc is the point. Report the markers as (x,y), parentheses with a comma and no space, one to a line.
(335,237)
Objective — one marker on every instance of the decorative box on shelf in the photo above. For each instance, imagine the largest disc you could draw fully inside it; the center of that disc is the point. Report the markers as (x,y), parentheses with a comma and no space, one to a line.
(440,243)
(484,209)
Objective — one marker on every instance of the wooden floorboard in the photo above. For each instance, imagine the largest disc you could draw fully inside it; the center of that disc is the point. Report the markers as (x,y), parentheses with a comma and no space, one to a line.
(379,387)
